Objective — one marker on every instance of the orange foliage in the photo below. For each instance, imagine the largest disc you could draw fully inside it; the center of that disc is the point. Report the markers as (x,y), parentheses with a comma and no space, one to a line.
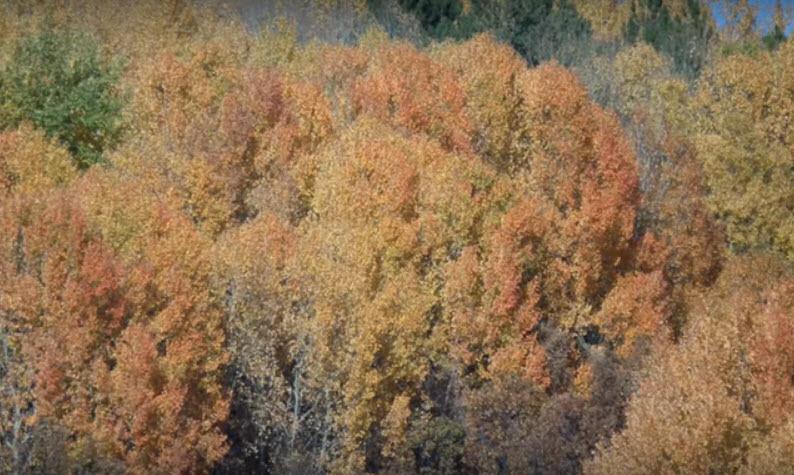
(637,306)
(407,89)
(352,228)
(488,72)
(583,165)
(92,324)
(772,353)
(723,394)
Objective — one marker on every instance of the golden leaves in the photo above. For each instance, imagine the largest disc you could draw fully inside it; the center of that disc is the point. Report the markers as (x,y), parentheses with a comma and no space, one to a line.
(714,398)
(487,73)
(351,224)
(30,164)
(744,143)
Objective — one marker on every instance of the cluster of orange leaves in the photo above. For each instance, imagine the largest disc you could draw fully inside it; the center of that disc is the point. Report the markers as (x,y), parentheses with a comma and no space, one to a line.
(429,206)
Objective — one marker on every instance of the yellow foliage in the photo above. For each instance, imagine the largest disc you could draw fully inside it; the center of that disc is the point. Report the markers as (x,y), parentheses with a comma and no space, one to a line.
(704,404)
(31,164)
(607,17)
(364,251)
(745,142)
(488,72)
(354,226)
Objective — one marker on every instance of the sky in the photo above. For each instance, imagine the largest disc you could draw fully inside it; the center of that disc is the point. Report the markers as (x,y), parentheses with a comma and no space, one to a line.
(766,10)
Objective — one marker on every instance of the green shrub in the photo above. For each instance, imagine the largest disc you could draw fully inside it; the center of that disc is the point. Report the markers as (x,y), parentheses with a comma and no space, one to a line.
(685,38)
(60,82)
(538,29)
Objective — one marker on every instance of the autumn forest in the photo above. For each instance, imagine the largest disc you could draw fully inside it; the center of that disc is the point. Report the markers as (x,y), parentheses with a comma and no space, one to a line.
(396,237)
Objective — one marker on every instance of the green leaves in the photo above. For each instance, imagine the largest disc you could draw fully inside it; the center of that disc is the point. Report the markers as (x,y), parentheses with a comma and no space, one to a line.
(683,37)
(60,82)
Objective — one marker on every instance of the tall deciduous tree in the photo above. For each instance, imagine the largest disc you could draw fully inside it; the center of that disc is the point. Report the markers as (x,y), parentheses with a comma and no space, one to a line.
(127,356)
(744,143)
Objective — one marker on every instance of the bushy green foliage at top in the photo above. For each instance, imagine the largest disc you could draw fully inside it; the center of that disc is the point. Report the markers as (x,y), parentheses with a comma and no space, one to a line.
(538,29)
(544,29)
(774,38)
(435,16)
(60,82)
(685,38)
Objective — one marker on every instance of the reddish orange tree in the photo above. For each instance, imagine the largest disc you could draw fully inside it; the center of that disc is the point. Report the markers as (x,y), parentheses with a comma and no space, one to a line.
(557,254)
(722,397)
(126,355)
